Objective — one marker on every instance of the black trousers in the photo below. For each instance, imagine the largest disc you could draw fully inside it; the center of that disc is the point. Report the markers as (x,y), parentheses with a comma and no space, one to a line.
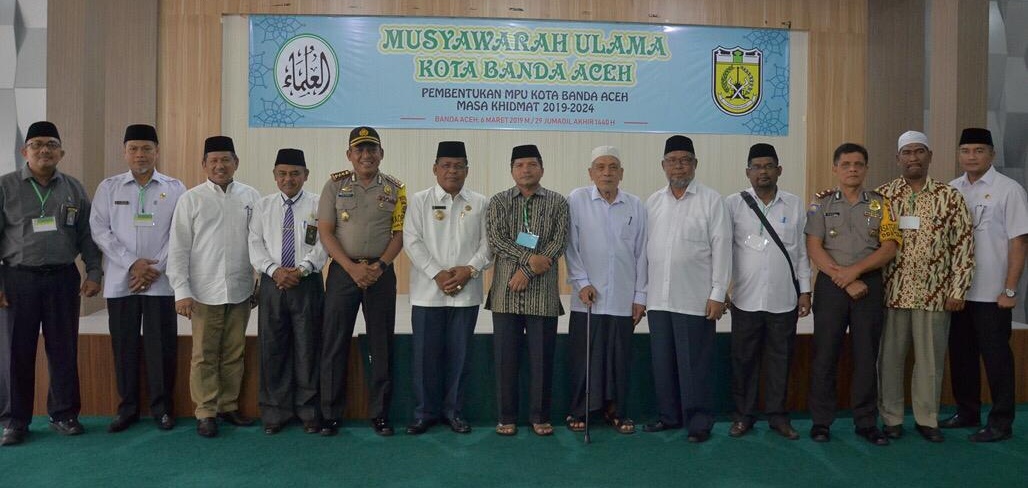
(682,348)
(48,298)
(834,312)
(762,340)
(609,358)
(289,326)
(442,343)
(156,316)
(509,330)
(342,301)
(982,329)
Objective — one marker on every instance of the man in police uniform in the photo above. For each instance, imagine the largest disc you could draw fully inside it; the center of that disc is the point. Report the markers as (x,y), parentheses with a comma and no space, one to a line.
(850,236)
(999,214)
(284,248)
(360,219)
(131,223)
(44,225)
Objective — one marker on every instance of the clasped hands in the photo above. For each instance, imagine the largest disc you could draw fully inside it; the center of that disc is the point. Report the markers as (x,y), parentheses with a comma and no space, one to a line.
(451,281)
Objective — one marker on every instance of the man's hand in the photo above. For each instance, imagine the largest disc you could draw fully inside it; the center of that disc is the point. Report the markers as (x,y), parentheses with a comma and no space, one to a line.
(638,312)
(857,290)
(587,295)
(842,276)
(715,309)
(142,274)
(539,264)
(286,278)
(3,300)
(804,304)
(1003,301)
(953,305)
(459,276)
(364,274)
(89,288)
(441,278)
(185,307)
(518,282)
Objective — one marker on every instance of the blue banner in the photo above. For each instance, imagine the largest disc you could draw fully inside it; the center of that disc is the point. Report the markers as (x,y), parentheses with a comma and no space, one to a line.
(448,73)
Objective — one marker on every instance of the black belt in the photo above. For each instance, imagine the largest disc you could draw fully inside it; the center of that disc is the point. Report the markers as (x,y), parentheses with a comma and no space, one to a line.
(44,269)
(365,260)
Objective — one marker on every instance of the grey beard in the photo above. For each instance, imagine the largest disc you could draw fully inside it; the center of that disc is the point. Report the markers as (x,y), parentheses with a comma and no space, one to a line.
(679,183)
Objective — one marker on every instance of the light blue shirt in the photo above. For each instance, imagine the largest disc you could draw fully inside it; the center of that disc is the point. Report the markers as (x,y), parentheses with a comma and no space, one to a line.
(113,224)
(607,249)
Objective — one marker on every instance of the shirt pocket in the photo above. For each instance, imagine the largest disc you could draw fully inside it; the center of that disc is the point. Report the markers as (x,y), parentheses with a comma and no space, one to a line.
(982,216)
(346,203)
(694,230)
(786,232)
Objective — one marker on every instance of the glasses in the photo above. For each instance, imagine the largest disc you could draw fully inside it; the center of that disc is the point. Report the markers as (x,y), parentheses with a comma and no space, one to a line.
(453,167)
(686,161)
(762,167)
(37,145)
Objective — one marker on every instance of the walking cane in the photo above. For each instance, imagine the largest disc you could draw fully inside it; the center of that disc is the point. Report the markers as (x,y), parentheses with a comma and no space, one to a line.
(588,363)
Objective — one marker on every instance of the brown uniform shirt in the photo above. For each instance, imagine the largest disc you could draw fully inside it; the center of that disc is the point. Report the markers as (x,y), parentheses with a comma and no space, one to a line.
(851,232)
(365,217)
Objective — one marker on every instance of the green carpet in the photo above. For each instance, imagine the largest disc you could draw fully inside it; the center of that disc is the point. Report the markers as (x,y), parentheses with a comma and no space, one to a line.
(144,456)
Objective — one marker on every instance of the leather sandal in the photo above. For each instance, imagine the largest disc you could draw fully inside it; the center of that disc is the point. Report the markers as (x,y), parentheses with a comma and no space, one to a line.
(543,429)
(575,424)
(507,429)
(623,426)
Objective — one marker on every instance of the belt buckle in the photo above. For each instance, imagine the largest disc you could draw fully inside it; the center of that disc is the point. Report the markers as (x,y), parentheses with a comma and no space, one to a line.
(362,261)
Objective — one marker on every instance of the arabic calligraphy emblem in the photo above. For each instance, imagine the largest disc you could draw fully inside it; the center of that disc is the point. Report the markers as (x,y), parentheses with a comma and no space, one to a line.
(306,71)
(736,77)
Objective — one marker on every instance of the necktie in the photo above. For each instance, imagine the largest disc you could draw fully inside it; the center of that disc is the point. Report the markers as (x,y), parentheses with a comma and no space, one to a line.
(288,247)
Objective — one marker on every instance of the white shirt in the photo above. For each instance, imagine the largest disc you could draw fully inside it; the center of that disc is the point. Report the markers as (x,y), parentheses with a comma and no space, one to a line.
(607,249)
(434,245)
(266,233)
(761,280)
(208,259)
(112,221)
(689,249)
(999,212)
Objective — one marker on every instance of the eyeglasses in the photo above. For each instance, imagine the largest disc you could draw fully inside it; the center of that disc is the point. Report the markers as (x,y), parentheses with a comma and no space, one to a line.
(762,167)
(686,161)
(454,167)
(37,145)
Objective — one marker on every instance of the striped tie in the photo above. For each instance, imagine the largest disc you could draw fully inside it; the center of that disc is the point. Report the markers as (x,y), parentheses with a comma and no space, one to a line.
(288,247)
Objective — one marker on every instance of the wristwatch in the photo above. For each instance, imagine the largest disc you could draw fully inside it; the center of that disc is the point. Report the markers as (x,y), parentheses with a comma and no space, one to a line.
(304,272)
(383,266)
(1010,293)
(474,272)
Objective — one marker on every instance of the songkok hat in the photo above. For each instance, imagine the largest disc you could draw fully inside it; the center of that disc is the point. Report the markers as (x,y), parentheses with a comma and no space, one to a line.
(42,129)
(364,135)
(140,132)
(975,135)
(451,149)
(912,137)
(678,143)
(526,151)
(600,151)
(762,150)
(290,156)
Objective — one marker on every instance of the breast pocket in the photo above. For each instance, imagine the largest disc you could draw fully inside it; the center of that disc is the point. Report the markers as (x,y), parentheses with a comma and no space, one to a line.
(346,203)
(695,230)
(786,232)
(982,216)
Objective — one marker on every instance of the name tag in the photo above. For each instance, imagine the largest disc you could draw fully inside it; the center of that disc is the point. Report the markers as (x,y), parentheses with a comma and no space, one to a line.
(143,220)
(44,224)
(121,202)
(311,235)
(527,239)
(757,243)
(910,222)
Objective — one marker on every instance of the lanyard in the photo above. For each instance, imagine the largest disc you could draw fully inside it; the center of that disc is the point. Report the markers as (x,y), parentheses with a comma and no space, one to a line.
(912,203)
(42,199)
(142,197)
(524,210)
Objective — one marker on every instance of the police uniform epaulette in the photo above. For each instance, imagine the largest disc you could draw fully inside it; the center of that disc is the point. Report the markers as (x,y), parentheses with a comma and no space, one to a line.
(341,174)
(395,182)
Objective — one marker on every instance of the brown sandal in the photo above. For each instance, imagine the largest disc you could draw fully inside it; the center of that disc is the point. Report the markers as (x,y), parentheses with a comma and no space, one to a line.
(575,424)
(507,429)
(542,430)
(623,426)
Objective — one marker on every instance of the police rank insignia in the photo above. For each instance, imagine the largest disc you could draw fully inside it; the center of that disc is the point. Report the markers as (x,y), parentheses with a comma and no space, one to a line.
(344,216)
(736,79)
(875,208)
(833,233)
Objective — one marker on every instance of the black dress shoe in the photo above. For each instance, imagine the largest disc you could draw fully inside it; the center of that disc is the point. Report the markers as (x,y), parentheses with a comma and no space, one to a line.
(985,434)
(165,422)
(698,437)
(418,426)
(820,433)
(785,429)
(959,421)
(930,434)
(272,429)
(893,431)
(67,426)
(13,436)
(207,427)
(459,425)
(311,427)
(236,418)
(739,428)
(329,427)
(381,426)
(659,426)
(873,434)
(122,422)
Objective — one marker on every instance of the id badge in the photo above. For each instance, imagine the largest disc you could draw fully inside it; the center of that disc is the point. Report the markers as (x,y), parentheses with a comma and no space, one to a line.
(910,222)
(311,236)
(527,239)
(143,220)
(44,224)
(71,214)
(757,243)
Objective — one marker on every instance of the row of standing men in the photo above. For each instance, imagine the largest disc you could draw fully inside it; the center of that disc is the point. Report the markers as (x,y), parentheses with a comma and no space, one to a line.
(171,250)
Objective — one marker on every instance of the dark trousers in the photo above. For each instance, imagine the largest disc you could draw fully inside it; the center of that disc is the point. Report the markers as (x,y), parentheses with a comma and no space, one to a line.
(49,297)
(682,348)
(609,357)
(342,300)
(982,329)
(768,338)
(442,340)
(156,316)
(289,326)
(509,330)
(834,312)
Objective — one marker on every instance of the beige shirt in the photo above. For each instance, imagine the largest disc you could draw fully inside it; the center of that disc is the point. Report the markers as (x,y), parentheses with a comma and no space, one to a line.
(851,232)
(365,216)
